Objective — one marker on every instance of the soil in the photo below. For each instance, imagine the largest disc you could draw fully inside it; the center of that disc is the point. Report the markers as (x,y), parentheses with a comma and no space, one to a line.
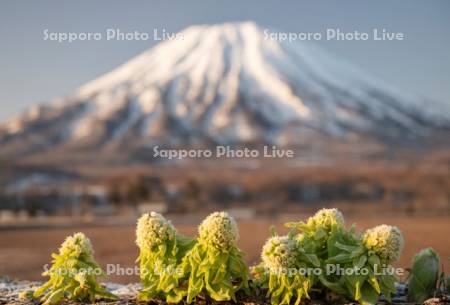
(10,295)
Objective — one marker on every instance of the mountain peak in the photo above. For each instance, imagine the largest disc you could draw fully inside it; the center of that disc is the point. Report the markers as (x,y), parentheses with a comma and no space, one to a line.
(224,83)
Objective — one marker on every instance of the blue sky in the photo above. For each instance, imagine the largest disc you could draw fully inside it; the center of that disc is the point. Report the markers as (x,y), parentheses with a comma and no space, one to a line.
(33,70)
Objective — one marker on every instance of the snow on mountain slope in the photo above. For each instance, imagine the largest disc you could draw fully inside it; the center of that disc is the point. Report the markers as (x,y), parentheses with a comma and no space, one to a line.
(224,83)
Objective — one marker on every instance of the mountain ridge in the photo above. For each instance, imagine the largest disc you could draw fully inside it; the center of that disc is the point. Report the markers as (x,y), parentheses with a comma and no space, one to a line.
(224,84)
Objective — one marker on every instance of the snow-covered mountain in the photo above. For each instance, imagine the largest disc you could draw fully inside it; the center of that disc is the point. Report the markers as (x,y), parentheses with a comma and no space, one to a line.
(223,84)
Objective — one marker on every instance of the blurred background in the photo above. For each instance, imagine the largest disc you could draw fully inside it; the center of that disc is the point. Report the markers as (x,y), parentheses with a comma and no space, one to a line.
(368,121)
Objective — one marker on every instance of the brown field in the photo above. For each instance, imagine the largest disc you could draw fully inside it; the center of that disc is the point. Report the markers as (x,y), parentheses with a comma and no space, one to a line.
(23,252)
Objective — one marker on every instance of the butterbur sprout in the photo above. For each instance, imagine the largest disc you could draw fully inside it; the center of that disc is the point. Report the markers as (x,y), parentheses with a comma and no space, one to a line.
(326,219)
(219,230)
(318,226)
(73,274)
(178,269)
(215,266)
(153,230)
(386,241)
(279,272)
(424,275)
(161,251)
(279,252)
(322,241)
(76,245)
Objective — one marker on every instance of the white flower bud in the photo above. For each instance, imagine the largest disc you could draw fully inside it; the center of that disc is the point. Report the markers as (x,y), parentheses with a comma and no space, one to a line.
(386,241)
(153,230)
(219,230)
(76,245)
(279,252)
(326,218)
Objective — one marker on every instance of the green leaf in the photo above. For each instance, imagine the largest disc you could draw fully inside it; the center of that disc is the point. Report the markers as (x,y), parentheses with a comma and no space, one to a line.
(374,261)
(424,275)
(42,289)
(320,234)
(55,297)
(360,262)
(357,291)
(387,285)
(374,283)
(273,231)
(447,280)
(358,251)
(106,294)
(299,296)
(313,259)
(335,286)
(340,258)
(345,247)
(368,295)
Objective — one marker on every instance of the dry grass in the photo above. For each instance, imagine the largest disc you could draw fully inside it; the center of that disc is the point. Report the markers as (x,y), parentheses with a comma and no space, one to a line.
(24,252)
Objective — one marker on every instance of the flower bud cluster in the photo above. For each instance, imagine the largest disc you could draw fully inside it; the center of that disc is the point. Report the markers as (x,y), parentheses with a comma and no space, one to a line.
(279,252)
(76,245)
(153,230)
(386,241)
(326,219)
(219,230)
